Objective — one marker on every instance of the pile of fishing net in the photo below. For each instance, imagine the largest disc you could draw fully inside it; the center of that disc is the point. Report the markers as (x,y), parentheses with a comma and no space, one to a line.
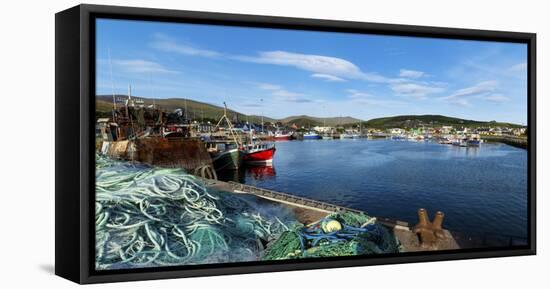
(148,216)
(339,234)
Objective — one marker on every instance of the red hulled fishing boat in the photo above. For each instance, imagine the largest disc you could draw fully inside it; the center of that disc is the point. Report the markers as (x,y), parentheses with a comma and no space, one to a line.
(259,153)
(282,136)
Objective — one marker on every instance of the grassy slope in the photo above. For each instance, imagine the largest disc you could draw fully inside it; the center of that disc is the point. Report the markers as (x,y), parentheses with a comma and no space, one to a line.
(429,120)
(329,121)
(213,112)
(195,108)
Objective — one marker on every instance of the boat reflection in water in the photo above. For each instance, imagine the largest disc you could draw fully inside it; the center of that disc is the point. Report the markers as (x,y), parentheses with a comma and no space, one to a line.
(260,173)
(232,175)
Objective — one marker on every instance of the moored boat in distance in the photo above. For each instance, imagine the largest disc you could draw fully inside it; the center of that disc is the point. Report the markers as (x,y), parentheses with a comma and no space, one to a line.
(345,135)
(474,140)
(280,136)
(445,140)
(311,135)
(399,137)
(460,141)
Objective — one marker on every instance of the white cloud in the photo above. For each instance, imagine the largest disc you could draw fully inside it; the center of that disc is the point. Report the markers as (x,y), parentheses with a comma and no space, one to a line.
(287,94)
(518,70)
(365,98)
(415,90)
(328,77)
(353,93)
(496,97)
(167,44)
(407,73)
(318,64)
(518,67)
(282,94)
(482,87)
(269,86)
(141,66)
(462,95)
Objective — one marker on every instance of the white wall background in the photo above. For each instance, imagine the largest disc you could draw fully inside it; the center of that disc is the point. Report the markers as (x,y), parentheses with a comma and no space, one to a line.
(27,143)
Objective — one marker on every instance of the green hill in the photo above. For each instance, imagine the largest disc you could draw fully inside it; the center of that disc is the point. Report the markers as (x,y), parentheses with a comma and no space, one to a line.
(199,110)
(413,121)
(313,121)
(303,122)
(206,111)
(196,109)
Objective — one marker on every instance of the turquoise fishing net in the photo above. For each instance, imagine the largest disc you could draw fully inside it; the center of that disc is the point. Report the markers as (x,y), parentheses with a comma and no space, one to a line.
(148,216)
(359,235)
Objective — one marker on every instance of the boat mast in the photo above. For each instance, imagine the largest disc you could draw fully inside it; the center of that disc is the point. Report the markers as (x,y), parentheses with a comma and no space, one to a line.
(151,86)
(185,105)
(112,84)
(229,124)
(262,114)
(127,111)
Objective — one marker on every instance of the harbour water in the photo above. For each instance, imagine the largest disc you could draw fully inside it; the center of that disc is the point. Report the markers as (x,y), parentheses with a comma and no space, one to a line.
(481,190)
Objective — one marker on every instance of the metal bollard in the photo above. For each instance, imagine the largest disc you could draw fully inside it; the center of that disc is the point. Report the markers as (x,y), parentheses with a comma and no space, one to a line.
(429,232)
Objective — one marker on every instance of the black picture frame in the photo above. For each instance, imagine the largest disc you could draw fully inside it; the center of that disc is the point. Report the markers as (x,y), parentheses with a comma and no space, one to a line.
(74,155)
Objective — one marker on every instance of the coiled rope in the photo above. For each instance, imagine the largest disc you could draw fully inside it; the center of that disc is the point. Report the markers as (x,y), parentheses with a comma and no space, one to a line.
(161,217)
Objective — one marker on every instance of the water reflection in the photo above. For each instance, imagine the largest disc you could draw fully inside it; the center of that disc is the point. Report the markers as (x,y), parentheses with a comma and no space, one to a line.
(260,172)
(231,175)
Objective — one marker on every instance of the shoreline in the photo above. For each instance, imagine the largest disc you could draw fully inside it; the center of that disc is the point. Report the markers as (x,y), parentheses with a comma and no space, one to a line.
(509,140)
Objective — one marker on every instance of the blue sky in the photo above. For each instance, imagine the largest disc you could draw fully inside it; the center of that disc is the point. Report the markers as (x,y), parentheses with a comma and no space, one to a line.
(279,73)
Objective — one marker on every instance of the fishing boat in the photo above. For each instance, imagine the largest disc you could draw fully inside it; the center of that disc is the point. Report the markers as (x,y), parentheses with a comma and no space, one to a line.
(327,136)
(474,140)
(282,136)
(259,153)
(460,141)
(226,154)
(174,131)
(445,140)
(398,137)
(226,157)
(311,135)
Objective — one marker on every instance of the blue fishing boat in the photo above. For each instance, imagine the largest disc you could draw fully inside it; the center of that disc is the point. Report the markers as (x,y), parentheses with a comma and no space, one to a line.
(311,135)
(474,140)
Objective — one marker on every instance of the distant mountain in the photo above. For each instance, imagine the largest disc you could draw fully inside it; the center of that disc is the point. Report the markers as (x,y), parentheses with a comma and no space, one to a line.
(412,121)
(306,122)
(198,110)
(314,121)
(202,110)
(195,109)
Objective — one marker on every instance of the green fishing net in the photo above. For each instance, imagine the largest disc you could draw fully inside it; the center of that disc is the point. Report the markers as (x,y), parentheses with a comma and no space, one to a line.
(359,235)
(149,216)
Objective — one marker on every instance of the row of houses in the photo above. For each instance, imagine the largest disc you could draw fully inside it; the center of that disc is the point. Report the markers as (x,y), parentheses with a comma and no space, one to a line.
(495,131)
